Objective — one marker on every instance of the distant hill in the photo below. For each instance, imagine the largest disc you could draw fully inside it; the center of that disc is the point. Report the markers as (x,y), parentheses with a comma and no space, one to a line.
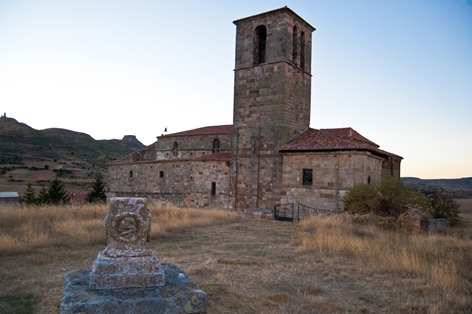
(20,143)
(39,156)
(456,188)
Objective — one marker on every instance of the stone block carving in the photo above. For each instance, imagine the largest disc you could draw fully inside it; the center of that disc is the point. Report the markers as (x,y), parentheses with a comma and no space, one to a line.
(127,262)
(126,277)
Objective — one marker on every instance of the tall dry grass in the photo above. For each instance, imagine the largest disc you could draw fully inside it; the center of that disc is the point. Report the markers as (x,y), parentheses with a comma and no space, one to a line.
(29,227)
(443,259)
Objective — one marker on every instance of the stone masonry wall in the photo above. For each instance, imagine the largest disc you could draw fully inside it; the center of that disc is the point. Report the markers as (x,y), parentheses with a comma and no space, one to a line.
(190,146)
(279,24)
(271,106)
(333,174)
(179,182)
(391,167)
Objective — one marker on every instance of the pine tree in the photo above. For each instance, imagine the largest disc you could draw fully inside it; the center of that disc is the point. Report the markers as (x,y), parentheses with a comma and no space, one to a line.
(97,194)
(43,197)
(29,197)
(57,193)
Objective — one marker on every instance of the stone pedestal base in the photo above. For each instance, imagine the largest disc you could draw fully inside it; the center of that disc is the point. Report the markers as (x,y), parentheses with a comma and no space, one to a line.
(126,272)
(178,295)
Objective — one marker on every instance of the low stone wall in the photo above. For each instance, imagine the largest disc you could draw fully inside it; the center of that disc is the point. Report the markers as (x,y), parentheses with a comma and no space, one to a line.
(416,221)
(437,224)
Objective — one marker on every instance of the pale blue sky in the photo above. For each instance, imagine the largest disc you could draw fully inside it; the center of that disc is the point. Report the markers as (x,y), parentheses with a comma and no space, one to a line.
(399,72)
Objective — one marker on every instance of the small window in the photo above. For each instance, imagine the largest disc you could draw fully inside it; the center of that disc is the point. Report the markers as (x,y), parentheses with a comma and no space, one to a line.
(213,189)
(368,180)
(175,149)
(307,176)
(131,174)
(161,174)
(216,146)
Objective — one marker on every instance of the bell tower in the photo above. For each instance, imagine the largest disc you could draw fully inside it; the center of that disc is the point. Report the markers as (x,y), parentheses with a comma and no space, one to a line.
(272,93)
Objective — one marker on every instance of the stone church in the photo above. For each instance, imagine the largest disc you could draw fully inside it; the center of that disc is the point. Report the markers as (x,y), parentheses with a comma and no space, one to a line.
(269,155)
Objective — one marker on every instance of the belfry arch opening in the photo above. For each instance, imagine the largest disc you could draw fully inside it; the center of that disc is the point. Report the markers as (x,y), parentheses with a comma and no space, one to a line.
(260,40)
(302,50)
(295,46)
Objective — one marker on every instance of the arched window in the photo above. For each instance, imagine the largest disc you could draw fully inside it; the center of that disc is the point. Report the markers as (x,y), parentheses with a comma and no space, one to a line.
(216,146)
(302,51)
(260,37)
(175,149)
(295,46)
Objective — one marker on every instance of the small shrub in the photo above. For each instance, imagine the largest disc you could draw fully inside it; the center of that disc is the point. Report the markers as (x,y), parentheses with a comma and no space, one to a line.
(387,197)
(443,206)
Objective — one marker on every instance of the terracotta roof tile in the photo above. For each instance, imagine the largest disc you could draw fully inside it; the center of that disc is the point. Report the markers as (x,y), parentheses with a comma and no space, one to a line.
(332,139)
(207,130)
(214,157)
(348,134)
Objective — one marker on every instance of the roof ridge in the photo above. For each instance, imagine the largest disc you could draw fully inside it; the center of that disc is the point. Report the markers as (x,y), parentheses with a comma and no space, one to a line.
(203,130)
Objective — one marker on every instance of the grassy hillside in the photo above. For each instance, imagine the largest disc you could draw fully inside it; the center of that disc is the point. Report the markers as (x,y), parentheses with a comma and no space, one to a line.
(20,143)
(42,155)
(456,188)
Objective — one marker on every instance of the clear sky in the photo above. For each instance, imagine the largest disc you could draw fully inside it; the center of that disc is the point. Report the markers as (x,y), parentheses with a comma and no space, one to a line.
(397,71)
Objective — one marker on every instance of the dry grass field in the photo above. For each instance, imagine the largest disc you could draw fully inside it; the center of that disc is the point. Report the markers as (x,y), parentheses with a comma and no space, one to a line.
(465,208)
(333,264)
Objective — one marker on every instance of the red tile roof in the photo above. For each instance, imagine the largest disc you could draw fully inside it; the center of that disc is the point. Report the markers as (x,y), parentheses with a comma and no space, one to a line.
(332,139)
(348,134)
(207,130)
(214,157)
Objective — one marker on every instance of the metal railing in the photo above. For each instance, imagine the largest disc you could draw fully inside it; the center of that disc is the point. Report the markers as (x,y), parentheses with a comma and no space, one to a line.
(284,212)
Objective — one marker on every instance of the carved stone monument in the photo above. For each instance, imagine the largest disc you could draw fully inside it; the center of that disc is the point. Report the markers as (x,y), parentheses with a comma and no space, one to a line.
(127,262)
(127,277)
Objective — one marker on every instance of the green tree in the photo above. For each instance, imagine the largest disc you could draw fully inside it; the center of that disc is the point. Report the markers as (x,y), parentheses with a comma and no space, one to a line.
(387,197)
(43,197)
(97,194)
(29,197)
(57,193)
(443,206)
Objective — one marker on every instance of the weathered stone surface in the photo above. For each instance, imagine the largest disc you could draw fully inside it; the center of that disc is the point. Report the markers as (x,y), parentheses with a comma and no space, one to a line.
(437,224)
(333,174)
(414,221)
(127,224)
(127,262)
(126,272)
(178,295)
